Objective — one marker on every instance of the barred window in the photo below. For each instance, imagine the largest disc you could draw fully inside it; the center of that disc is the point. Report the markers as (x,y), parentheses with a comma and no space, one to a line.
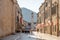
(54,10)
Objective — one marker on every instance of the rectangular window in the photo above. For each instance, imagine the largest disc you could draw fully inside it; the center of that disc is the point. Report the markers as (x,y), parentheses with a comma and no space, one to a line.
(54,10)
(46,4)
(46,15)
(55,28)
(45,28)
(59,27)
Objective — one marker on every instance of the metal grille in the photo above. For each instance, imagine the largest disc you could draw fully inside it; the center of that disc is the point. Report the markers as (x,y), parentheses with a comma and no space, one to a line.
(54,10)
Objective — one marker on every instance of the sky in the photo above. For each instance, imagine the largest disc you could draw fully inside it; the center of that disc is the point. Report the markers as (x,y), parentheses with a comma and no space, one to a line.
(31,4)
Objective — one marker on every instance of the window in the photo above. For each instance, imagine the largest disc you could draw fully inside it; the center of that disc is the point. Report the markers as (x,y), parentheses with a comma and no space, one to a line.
(54,28)
(59,27)
(45,28)
(46,4)
(17,19)
(40,19)
(46,15)
(18,12)
(54,10)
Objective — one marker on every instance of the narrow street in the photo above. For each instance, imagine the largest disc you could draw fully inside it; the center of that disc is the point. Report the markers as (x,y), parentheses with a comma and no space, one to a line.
(22,36)
(29,19)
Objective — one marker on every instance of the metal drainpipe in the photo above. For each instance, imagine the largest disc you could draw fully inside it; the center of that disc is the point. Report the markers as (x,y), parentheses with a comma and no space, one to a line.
(44,14)
(58,18)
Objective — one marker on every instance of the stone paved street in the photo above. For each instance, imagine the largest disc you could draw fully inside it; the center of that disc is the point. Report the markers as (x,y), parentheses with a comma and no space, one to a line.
(46,36)
(33,36)
(22,36)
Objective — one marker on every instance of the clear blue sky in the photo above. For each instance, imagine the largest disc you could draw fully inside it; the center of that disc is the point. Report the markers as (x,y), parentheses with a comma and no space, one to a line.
(31,4)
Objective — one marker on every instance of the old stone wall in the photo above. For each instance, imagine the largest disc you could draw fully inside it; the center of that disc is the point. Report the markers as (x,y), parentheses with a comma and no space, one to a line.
(7,17)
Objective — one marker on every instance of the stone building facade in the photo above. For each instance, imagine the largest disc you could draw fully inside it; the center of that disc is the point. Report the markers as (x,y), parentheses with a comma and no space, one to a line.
(59,17)
(18,18)
(40,18)
(48,27)
(7,17)
(38,28)
(51,17)
(53,11)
